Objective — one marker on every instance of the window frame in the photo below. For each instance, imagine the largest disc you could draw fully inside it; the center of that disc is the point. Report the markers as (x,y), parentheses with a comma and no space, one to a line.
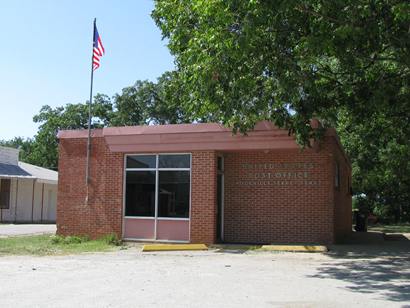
(6,206)
(337,178)
(221,172)
(157,169)
(349,186)
(146,169)
(125,191)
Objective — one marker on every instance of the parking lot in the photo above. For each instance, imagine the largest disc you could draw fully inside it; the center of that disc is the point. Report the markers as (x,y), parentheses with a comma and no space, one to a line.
(26,229)
(355,275)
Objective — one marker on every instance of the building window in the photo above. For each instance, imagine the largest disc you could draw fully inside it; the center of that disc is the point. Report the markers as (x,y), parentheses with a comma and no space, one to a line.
(5,193)
(174,161)
(173,194)
(220,164)
(349,186)
(141,161)
(158,185)
(337,175)
(140,196)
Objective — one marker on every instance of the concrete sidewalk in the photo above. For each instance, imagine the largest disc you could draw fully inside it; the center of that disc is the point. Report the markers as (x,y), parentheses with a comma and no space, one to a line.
(7,230)
(349,277)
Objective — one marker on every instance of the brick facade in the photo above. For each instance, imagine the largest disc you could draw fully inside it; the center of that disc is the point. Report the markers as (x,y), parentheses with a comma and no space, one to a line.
(342,195)
(284,196)
(102,214)
(203,197)
(271,196)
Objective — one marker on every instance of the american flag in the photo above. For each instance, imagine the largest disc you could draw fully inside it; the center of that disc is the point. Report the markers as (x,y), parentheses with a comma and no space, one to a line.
(98,49)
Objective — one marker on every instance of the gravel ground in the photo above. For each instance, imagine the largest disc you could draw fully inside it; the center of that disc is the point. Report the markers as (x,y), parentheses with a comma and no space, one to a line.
(372,276)
(25,229)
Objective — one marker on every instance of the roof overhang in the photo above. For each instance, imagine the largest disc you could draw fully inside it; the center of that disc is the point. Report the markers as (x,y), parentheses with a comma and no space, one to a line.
(10,176)
(194,137)
(188,137)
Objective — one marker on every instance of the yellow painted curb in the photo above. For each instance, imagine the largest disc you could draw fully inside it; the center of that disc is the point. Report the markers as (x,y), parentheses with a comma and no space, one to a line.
(299,248)
(173,247)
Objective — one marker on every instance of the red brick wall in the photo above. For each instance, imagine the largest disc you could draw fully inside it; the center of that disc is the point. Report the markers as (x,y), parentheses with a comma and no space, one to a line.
(342,196)
(279,212)
(103,213)
(297,212)
(203,197)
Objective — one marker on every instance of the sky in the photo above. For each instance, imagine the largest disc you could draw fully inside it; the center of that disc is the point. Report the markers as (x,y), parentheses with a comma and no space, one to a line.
(45,54)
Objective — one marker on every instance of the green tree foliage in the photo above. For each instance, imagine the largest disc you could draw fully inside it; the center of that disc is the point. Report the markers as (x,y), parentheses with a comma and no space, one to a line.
(346,62)
(72,116)
(343,61)
(380,152)
(288,61)
(144,103)
(25,146)
(147,102)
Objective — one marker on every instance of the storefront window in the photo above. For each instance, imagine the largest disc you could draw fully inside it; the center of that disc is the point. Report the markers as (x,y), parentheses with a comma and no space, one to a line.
(174,161)
(162,191)
(141,161)
(140,196)
(173,194)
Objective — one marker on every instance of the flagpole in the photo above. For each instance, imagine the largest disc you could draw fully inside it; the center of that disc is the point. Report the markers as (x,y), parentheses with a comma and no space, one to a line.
(87,172)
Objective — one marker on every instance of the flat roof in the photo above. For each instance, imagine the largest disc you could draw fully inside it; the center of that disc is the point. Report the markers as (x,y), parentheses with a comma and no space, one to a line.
(192,137)
(160,129)
(187,137)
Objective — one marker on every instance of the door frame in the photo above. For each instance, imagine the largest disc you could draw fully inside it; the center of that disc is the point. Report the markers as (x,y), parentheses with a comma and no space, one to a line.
(155,217)
(221,172)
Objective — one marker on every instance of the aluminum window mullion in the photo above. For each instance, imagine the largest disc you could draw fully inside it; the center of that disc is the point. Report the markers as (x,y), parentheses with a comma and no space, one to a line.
(174,218)
(190,196)
(160,169)
(156,196)
(157,169)
(174,169)
(139,217)
(140,169)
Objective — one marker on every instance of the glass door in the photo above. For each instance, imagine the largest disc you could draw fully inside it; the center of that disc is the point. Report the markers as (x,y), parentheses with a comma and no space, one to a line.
(157,197)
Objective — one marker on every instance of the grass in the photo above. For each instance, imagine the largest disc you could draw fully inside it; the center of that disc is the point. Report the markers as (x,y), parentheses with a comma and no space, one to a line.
(394,228)
(42,245)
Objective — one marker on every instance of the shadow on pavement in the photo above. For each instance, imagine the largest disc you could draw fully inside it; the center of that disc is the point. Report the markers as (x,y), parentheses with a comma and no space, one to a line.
(382,267)
(234,248)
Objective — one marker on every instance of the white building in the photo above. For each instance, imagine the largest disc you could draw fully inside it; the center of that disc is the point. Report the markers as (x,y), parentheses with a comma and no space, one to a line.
(28,194)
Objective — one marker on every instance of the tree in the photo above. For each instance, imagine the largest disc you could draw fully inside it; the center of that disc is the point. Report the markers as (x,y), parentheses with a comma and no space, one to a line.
(72,116)
(288,61)
(346,62)
(144,103)
(380,151)
(24,145)
(147,102)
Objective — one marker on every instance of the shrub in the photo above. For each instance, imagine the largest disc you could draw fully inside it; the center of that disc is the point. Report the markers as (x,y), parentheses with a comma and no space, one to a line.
(58,239)
(112,239)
